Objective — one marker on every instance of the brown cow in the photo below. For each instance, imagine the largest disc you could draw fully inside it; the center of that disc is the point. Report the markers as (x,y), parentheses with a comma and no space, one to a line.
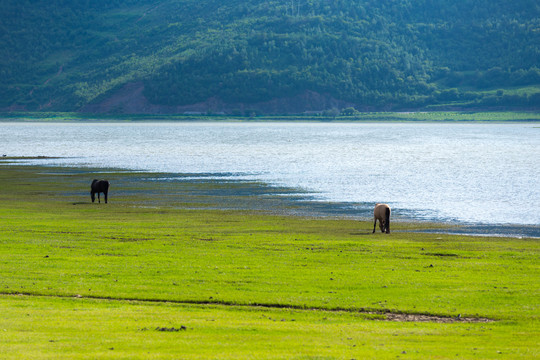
(382,213)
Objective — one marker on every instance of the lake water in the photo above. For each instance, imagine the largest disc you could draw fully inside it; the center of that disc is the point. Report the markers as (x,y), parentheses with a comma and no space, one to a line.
(477,173)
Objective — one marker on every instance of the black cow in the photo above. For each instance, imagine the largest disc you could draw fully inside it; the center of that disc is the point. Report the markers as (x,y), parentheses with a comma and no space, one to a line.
(99,186)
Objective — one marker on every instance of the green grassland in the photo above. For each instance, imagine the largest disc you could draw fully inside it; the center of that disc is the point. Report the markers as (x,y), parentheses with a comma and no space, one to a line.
(158,274)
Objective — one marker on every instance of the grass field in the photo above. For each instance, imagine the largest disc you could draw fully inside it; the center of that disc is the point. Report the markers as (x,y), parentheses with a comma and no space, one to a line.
(155,275)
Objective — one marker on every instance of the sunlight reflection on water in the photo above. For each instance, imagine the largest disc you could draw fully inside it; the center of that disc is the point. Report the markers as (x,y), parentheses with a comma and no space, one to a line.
(484,173)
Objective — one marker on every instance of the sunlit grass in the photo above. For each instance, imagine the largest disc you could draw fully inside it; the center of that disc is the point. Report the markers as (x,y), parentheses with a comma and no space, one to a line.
(99,281)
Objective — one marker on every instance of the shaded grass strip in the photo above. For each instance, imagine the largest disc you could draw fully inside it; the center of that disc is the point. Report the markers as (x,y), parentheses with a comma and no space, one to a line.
(386,315)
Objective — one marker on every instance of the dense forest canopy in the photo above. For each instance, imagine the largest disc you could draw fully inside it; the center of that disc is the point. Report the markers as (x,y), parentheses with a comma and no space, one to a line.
(253,55)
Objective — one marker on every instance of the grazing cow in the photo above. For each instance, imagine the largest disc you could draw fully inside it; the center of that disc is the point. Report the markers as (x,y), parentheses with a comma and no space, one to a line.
(99,186)
(382,213)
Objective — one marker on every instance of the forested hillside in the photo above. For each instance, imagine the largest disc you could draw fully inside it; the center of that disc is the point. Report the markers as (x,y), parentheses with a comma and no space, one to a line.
(268,56)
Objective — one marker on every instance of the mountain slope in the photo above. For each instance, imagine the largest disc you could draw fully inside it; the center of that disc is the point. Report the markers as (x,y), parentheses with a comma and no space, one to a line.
(276,56)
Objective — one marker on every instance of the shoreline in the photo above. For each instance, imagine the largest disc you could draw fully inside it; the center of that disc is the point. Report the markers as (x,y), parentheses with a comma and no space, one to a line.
(441,116)
(206,191)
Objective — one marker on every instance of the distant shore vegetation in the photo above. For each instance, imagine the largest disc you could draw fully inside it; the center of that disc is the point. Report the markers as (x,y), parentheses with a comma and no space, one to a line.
(347,115)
